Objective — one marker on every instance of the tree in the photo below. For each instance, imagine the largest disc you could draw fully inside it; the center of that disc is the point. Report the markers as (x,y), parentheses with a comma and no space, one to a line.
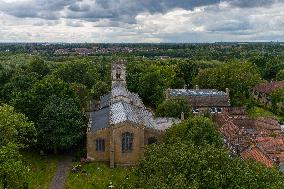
(61,124)
(239,77)
(267,65)
(186,166)
(78,72)
(277,101)
(187,70)
(280,75)
(193,157)
(16,132)
(173,108)
(196,130)
(15,128)
(37,65)
(34,101)
(13,173)
(19,83)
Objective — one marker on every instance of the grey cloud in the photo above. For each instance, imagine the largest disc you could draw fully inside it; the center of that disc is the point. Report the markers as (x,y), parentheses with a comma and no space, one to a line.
(253,3)
(74,23)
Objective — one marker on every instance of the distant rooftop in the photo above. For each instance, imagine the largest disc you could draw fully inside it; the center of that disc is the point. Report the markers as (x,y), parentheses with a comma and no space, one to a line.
(268,88)
(196,92)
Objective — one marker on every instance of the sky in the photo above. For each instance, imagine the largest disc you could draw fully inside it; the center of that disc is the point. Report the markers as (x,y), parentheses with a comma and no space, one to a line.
(141,21)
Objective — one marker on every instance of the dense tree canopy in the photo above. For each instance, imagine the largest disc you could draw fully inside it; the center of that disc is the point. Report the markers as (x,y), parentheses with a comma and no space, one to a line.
(193,157)
(16,132)
(174,108)
(277,101)
(239,77)
(61,123)
(15,128)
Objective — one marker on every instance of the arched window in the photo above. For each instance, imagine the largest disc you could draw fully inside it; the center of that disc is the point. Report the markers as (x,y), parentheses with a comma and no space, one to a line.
(100,145)
(127,142)
(118,72)
(152,140)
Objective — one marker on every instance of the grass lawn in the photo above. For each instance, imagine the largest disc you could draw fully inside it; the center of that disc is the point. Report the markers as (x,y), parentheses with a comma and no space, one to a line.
(42,169)
(97,176)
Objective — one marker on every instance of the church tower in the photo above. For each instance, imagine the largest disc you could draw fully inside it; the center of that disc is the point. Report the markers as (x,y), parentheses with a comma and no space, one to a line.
(118,74)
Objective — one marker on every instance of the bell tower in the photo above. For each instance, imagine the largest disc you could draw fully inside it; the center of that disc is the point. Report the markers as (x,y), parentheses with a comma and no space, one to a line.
(118,73)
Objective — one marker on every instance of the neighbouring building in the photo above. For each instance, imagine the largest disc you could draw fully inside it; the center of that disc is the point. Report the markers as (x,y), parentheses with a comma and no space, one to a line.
(202,100)
(263,91)
(121,127)
(260,139)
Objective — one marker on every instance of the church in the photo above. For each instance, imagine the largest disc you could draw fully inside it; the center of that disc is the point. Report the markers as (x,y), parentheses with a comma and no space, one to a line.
(121,127)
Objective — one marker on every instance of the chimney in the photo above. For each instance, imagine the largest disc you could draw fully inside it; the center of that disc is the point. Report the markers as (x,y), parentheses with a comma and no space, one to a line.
(228,91)
(196,87)
(167,93)
(182,116)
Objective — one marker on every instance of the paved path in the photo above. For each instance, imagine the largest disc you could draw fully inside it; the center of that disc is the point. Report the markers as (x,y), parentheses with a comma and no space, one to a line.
(58,180)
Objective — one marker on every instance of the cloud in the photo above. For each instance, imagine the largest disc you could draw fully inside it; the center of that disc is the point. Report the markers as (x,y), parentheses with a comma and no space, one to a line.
(141,21)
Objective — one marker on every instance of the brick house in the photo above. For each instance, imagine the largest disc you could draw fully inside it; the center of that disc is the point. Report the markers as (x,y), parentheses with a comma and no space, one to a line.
(263,91)
(202,100)
(119,130)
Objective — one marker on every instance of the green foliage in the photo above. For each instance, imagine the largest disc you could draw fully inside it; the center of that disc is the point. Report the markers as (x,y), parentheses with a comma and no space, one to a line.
(15,132)
(61,124)
(15,128)
(78,72)
(277,101)
(239,77)
(197,130)
(39,66)
(20,83)
(268,66)
(150,79)
(187,70)
(13,174)
(100,89)
(174,108)
(186,166)
(193,157)
(34,101)
(280,75)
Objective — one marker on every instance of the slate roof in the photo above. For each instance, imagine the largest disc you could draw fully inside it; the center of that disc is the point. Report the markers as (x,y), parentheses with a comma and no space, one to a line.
(203,97)
(104,101)
(268,88)
(196,92)
(99,119)
(121,111)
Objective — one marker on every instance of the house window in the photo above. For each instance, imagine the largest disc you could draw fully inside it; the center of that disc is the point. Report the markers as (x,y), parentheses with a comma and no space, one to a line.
(219,110)
(127,142)
(195,110)
(100,145)
(213,110)
(152,140)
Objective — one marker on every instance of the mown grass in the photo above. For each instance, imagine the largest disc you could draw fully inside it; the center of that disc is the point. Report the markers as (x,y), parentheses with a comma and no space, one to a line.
(42,169)
(96,176)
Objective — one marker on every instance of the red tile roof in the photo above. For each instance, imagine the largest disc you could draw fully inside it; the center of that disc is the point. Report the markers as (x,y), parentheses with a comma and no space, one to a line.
(268,88)
(256,154)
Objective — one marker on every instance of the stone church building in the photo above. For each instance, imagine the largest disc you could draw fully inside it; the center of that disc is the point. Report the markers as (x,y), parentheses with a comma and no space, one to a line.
(121,127)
